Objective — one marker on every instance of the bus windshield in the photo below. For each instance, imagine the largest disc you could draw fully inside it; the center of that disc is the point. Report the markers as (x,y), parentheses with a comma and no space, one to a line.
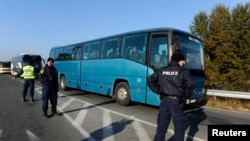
(34,60)
(5,64)
(192,48)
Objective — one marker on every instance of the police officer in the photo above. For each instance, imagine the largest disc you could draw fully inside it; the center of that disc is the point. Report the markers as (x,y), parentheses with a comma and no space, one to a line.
(29,80)
(49,79)
(172,83)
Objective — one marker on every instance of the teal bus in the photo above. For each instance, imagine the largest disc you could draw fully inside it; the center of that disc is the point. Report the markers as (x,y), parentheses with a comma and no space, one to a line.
(118,66)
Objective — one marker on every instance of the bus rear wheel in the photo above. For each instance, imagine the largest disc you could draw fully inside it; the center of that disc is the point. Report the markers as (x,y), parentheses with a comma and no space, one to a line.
(63,83)
(122,94)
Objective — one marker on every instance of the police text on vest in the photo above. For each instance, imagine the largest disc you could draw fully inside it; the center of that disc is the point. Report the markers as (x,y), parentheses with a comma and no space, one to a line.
(170,73)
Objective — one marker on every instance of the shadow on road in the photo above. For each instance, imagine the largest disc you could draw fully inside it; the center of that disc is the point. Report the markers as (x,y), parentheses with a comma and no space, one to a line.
(194,118)
(195,115)
(109,130)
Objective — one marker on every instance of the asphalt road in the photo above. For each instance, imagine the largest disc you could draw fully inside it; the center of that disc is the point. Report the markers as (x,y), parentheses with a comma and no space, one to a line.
(92,117)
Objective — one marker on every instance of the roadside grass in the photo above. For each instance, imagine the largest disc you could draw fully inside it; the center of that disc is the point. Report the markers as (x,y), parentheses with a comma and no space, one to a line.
(242,105)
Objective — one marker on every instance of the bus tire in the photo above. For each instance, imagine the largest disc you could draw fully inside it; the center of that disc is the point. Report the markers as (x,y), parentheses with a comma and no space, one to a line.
(122,94)
(63,83)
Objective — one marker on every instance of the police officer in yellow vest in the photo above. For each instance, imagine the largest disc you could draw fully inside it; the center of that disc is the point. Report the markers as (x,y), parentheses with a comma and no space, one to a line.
(29,80)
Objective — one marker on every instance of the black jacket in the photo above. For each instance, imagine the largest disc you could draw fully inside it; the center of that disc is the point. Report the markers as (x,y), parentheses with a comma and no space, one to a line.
(172,80)
(48,76)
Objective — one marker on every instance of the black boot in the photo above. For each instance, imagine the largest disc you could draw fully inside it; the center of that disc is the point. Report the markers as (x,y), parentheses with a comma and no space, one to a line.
(55,113)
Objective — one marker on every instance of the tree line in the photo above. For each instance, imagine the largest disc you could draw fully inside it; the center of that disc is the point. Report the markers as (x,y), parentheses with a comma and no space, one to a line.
(226,39)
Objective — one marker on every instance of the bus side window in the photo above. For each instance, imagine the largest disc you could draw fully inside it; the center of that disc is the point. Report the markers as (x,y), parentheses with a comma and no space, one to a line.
(135,54)
(133,47)
(159,47)
(59,54)
(126,51)
(67,53)
(85,53)
(60,57)
(93,54)
(104,49)
(78,53)
(164,58)
(94,50)
(111,53)
(110,48)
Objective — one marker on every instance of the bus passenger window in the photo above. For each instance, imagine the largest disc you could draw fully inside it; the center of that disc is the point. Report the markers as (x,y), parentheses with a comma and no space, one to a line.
(164,58)
(85,54)
(111,53)
(93,54)
(78,53)
(117,52)
(135,54)
(60,57)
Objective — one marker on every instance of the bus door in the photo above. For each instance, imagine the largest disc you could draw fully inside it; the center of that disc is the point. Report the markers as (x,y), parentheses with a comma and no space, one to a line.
(76,72)
(157,57)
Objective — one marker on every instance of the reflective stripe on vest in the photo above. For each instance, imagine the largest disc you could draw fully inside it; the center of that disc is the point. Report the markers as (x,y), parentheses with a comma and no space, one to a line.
(28,72)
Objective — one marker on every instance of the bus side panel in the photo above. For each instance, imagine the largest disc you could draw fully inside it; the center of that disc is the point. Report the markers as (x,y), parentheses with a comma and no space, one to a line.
(65,69)
(76,76)
(86,75)
(104,73)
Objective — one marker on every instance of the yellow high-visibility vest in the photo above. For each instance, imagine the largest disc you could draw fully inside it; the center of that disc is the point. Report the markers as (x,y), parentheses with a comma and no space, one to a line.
(28,72)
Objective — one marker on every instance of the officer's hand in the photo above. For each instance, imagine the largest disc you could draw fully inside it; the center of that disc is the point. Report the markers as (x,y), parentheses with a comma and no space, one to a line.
(42,71)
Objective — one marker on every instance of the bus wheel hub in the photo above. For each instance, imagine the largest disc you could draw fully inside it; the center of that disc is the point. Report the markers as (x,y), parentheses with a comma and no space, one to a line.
(122,94)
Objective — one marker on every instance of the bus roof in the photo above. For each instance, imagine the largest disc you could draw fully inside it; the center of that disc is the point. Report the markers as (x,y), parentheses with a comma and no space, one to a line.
(133,32)
(30,54)
(5,61)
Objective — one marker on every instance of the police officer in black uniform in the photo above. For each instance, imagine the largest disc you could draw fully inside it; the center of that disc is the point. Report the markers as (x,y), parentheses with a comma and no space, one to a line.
(48,76)
(174,86)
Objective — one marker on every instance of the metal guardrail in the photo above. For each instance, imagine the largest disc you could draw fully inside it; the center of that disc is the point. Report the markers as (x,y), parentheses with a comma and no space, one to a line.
(232,94)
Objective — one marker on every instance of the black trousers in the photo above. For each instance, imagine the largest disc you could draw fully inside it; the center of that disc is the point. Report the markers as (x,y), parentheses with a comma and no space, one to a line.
(49,93)
(28,84)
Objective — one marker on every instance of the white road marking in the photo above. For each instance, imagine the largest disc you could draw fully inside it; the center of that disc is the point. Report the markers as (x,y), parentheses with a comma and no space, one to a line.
(78,127)
(80,117)
(108,130)
(31,136)
(66,104)
(85,133)
(140,131)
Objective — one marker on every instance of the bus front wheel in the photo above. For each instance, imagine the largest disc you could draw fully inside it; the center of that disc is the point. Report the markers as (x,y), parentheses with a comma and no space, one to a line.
(122,94)
(63,83)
